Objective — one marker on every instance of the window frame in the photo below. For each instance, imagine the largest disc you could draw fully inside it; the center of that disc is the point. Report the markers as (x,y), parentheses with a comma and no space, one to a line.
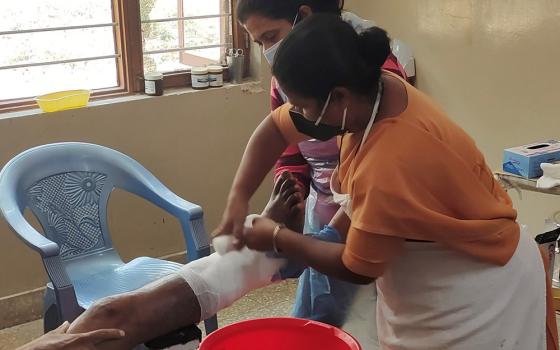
(129,57)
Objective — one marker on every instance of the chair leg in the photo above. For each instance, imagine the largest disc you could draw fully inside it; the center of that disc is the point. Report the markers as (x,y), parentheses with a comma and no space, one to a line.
(211,324)
(67,303)
(51,314)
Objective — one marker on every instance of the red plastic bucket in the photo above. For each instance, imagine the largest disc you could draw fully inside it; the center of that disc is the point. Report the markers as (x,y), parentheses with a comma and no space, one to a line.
(279,334)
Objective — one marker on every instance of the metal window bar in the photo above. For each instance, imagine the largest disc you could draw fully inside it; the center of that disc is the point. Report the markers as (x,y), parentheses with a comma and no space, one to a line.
(51,29)
(176,19)
(189,48)
(48,63)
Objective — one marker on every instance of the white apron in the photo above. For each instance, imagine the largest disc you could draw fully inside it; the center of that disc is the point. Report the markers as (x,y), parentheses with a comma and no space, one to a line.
(432,298)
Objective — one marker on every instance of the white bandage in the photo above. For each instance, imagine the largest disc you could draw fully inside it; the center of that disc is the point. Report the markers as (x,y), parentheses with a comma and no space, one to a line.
(219,280)
(225,243)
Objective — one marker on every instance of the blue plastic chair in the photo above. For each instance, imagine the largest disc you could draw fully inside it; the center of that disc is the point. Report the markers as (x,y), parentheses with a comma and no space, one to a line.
(67,187)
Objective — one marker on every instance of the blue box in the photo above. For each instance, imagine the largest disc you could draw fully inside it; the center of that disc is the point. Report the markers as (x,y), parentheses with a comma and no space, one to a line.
(526,160)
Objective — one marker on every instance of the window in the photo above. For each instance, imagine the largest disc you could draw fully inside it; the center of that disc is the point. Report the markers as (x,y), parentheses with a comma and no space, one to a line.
(180,34)
(106,45)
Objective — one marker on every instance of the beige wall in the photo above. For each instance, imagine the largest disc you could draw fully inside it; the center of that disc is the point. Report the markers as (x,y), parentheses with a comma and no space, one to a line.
(192,142)
(491,64)
(494,67)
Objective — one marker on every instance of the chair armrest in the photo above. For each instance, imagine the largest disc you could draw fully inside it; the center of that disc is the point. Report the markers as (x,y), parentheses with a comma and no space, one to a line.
(28,234)
(134,178)
(144,184)
(191,218)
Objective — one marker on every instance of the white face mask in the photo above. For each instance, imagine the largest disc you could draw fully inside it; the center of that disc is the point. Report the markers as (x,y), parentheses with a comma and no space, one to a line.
(270,53)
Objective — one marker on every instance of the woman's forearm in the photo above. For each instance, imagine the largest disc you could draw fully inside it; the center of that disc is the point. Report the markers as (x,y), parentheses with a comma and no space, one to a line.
(325,257)
(264,148)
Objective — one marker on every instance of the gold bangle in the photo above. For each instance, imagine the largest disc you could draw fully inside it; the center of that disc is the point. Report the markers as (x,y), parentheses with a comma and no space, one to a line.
(274,237)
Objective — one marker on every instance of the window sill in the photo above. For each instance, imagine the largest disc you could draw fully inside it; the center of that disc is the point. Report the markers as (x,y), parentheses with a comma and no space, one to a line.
(249,85)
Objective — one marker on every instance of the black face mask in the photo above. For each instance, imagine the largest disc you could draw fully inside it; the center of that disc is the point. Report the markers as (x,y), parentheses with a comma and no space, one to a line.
(321,132)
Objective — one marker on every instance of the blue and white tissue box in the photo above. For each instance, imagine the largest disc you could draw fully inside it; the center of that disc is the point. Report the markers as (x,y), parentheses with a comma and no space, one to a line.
(526,160)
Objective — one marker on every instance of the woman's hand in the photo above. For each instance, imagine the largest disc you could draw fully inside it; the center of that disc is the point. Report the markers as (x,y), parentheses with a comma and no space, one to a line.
(233,220)
(59,339)
(260,236)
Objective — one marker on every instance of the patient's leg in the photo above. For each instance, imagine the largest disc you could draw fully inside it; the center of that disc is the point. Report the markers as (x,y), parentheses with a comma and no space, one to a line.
(197,291)
(156,309)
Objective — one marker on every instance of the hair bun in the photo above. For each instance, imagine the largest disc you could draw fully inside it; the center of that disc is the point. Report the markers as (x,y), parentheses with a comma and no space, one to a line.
(375,46)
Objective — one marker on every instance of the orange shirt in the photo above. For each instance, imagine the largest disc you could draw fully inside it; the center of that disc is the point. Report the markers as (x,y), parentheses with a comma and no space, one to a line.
(419,176)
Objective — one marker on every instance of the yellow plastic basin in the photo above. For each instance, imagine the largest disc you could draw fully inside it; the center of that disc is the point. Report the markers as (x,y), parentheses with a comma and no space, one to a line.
(59,101)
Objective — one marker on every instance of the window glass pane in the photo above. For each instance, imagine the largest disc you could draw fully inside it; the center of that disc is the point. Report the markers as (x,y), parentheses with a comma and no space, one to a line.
(212,55)
(202,32)
(158,9)
(205,7)
(160,36)
(177,61)
(56,45)
(164,62)
(32,14)
(33,81)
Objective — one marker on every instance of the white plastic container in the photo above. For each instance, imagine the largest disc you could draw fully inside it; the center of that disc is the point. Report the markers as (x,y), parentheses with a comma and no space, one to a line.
(199,78)
(216,76)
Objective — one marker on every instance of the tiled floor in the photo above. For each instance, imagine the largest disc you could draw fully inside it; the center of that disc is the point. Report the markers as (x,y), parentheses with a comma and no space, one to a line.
(275,300)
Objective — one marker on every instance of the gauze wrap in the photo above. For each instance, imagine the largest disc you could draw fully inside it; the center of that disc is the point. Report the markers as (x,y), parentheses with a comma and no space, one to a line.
(222,278)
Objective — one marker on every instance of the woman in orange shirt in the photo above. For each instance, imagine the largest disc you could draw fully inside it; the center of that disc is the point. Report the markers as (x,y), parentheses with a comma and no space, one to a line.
(421,211)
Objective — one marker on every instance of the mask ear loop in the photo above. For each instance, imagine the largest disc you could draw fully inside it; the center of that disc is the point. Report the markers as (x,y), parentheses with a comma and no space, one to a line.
(344,118)
(295,20)
(324,110)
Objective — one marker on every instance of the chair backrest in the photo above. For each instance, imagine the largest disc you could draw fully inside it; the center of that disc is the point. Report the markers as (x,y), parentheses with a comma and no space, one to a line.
(71,207)
(67,187)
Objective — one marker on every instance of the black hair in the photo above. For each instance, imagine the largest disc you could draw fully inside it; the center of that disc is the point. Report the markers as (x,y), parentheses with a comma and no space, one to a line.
(285,9)
(324,52)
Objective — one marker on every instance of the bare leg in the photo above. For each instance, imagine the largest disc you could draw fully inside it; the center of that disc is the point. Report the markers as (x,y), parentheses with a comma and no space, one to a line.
(202,287)
(171,302)
(153,310)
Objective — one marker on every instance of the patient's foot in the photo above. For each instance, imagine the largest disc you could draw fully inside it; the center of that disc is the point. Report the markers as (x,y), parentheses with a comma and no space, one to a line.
(286,204)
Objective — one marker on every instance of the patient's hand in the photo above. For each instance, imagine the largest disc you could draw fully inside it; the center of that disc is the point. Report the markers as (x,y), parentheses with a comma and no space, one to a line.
(112,312)
(60,339)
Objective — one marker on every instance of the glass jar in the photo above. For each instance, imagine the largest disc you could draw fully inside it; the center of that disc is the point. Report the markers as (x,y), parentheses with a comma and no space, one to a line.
(153,84)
